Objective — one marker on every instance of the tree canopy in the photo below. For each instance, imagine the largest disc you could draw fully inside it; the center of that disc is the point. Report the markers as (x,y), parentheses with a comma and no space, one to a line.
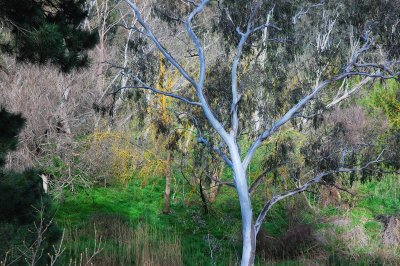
(47,31)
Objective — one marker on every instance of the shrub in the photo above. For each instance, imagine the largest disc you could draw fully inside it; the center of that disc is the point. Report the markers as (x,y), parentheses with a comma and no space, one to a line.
(24,206)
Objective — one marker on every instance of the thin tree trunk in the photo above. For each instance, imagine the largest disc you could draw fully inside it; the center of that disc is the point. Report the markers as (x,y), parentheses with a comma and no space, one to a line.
(215,186)
(167,193)
(63,109)
(203,197)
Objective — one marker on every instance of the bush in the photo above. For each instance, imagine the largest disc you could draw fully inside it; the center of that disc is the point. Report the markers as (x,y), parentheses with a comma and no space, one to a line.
(25,209)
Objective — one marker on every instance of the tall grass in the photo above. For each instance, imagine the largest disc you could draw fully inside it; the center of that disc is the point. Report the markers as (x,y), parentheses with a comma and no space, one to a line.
(122,243)
(134,231)
(359,237)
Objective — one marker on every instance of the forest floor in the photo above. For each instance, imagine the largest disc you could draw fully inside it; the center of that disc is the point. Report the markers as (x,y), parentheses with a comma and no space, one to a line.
(128,224)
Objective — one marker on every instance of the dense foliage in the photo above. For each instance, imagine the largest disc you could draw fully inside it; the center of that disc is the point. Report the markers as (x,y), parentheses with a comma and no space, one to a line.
(47,31)
(25,207)
(142,171)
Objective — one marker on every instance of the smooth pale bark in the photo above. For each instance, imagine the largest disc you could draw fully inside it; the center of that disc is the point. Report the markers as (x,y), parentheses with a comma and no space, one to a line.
(248,229)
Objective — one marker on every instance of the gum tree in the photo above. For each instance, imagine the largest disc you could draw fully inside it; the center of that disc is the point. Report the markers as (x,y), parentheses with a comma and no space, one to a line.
(258,24)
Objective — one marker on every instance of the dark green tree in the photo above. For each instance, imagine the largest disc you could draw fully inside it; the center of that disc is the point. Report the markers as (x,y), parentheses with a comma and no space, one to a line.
(37,31)
(24,204)
(47,31)
(10,126)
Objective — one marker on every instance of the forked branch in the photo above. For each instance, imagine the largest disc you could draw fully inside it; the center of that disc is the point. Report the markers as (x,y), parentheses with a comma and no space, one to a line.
(351,69)
(317,179)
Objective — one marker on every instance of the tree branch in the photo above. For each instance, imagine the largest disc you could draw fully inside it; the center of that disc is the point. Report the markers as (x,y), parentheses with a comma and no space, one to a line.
(220,182)
(258,180)
(304,12)
(200,84)
(338,187)
(347,94)
(234,72)
(302,188)
(201,139)
(168,94)
(348,72)
(143,85)
(167,55)
(216,150)
(191,2)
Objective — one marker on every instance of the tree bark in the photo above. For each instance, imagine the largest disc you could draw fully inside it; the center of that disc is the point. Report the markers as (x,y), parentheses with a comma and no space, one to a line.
(167,193)
(214,185)
(203,197)
(248,229)
(64,113)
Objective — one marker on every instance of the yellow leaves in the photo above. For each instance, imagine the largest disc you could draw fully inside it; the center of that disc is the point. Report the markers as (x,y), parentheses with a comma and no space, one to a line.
(166,81)
(294,82)
(123,158)
(153,166)
(126,160)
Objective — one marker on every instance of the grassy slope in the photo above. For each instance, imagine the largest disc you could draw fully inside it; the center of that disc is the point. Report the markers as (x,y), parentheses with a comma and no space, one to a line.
(359,236)
(143,204)
(219,231)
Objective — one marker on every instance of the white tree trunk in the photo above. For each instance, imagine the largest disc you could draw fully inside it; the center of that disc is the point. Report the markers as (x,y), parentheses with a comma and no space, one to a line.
(248,229)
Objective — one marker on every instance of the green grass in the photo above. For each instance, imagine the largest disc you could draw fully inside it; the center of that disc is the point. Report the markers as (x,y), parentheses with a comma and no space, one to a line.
(218,233)
(377,197)
(143,204)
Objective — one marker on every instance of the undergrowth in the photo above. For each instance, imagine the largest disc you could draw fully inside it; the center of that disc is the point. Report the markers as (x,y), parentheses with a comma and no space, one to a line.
(134,231)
